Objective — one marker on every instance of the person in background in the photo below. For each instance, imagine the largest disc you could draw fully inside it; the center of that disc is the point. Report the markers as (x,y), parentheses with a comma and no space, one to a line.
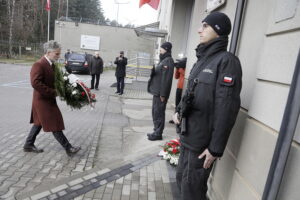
(179,74)
(96,68)
(67,54)
(209,107)
(45,112)
(159,86)
(121,63)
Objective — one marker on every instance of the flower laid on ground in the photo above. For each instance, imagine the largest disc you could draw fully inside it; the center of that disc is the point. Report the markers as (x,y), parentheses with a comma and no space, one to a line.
(70,89)
(171,151)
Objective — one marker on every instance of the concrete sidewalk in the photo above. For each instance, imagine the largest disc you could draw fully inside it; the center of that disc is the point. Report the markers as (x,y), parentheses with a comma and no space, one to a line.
(121,163)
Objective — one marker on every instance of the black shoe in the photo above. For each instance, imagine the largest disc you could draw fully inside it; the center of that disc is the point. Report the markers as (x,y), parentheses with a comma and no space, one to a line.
(32,149)
(91,88)
(120,93)
(171,121)
(117,92)
(72,150)
(97,89)
(148,134)
(153,137)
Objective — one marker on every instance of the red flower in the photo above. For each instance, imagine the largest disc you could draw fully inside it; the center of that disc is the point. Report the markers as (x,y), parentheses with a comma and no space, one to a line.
(176,141)
(175,150)
(83,94)
(93,96)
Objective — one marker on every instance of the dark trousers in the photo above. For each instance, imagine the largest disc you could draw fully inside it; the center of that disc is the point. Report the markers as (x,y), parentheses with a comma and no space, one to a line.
(158,114)
(93,85)
(191,177)
(120,84)
(178,96)
(59,136)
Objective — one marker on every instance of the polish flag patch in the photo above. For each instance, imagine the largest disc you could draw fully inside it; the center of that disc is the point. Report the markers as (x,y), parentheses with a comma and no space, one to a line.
(227,79)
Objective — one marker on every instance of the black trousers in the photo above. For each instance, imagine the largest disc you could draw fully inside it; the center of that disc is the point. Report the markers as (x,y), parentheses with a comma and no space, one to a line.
(120,84)
(59,136)
(191,177)
(158,114)
(93,85)
(178,96)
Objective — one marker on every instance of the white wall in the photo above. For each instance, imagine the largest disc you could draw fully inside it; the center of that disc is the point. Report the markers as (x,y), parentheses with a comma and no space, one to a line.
(112,39)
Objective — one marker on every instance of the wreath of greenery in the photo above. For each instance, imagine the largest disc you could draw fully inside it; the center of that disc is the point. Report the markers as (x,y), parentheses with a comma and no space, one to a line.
(76,95)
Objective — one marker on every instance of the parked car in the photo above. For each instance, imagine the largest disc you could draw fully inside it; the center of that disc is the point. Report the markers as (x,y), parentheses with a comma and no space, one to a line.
(77,63)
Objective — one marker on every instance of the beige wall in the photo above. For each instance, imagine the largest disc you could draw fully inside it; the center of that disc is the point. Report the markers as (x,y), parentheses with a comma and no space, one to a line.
(112,40)
(268,49)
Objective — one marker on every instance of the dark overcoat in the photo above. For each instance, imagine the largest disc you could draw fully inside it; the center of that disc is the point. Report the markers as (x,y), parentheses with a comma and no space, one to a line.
(45,111)
(121,67)
(96,65)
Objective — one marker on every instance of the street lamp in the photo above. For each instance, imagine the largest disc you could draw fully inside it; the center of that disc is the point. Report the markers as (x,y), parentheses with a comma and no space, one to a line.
(117,2)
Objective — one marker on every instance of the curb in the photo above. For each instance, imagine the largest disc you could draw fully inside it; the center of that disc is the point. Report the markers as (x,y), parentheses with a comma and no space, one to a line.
(91,156)
(91,181)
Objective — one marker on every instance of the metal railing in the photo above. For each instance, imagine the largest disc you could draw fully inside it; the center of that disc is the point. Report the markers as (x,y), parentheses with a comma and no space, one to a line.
(139,68)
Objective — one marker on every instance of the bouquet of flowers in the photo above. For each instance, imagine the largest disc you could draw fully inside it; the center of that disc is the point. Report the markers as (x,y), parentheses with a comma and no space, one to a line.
(70,89)
(171,151)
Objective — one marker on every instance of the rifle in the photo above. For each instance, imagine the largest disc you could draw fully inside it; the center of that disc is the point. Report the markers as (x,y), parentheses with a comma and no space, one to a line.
(186,106)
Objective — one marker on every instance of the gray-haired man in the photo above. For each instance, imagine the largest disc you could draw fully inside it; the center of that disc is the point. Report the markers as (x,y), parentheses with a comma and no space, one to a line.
(96,68)
(45,112)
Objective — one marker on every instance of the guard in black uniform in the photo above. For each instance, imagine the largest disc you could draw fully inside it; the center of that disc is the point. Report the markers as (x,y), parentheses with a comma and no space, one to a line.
(159,86)
(209,107)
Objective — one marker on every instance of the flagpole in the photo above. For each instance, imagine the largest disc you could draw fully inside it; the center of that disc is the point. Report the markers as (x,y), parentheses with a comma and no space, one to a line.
(48,24)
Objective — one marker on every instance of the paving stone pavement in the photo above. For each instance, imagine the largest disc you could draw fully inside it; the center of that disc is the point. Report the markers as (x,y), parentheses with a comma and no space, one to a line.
(112,136)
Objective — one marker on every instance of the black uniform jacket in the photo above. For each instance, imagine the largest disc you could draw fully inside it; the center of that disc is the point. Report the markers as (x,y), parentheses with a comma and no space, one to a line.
(217,98)
(96,65)
(121,67)
(160,82)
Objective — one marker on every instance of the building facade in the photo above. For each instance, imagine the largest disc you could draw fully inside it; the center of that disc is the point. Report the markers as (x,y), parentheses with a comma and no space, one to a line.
(268,46)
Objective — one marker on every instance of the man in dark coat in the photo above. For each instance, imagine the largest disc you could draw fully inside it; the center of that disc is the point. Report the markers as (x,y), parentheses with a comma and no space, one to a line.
(45,112)
(67,54)
(121,63)
(96,68)
(216,81)
(159,86)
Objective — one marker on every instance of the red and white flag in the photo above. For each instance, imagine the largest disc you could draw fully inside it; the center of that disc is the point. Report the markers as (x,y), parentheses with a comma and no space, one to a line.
(47,7)
(153,3)
(227,79)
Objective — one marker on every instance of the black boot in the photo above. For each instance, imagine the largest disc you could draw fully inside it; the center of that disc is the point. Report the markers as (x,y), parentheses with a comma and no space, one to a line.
(33,149)
(72,150)
(153,137)
(148,134)
(61,138)
(29,144)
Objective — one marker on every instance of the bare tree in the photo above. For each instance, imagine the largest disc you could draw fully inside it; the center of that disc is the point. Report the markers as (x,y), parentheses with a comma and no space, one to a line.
(59,9)
(11,14)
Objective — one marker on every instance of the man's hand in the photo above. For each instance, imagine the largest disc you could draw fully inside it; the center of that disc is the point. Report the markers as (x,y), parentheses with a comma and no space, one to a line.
(176,118)
(209,159)
(162,99)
